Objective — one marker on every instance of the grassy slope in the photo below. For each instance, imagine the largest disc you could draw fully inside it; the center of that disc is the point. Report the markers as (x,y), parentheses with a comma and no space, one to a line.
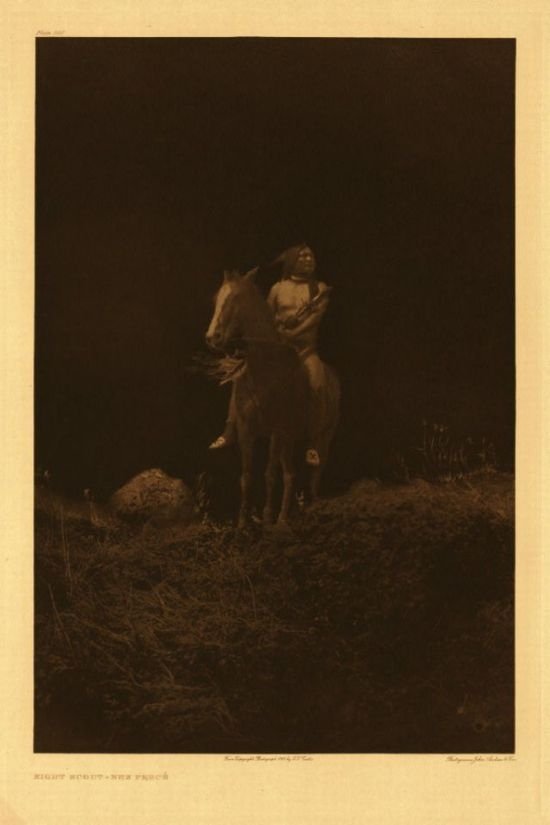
(384,624)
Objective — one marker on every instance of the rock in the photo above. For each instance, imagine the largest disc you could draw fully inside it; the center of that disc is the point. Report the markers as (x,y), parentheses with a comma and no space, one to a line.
(154,496)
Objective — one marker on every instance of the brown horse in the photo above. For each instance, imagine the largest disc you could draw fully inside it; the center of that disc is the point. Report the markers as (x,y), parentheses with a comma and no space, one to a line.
(270,392)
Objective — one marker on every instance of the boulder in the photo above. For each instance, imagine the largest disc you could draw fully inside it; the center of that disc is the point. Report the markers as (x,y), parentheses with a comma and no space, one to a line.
(155,497)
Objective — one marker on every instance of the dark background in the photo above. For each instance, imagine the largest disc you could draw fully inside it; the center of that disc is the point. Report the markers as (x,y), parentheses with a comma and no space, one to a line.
(161,161)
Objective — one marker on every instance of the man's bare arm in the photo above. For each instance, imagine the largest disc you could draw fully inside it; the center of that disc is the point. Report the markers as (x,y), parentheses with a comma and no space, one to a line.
(272,297)
(311,321)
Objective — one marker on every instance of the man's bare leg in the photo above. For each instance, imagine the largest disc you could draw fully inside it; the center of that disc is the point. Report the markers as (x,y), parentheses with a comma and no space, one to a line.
(316,376)
(229,435)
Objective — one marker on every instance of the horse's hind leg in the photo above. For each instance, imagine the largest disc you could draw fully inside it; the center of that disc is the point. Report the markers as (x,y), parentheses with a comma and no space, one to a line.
(287,462)
(246,481)
(270,478)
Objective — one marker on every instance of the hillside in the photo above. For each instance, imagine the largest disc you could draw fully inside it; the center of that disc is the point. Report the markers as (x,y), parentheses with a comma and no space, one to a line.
(383,623)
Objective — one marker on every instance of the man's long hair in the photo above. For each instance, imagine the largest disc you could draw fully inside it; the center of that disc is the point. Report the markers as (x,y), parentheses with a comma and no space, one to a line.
(287,260)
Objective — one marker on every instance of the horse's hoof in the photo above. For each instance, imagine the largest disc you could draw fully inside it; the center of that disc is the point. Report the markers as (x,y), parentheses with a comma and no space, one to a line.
(249,525)
(283,529)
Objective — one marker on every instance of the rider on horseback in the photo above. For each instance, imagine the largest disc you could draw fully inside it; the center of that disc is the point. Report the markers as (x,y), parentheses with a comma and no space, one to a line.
(298,302)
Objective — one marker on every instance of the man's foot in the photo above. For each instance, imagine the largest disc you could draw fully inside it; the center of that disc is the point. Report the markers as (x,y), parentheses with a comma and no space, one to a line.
(312,458)
(221,442)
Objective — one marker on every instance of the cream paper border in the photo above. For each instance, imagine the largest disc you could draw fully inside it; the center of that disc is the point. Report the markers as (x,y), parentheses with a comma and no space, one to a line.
(329,789)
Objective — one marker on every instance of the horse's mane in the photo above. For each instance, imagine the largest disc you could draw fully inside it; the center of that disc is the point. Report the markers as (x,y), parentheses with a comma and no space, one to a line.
(259,312)
(221,369)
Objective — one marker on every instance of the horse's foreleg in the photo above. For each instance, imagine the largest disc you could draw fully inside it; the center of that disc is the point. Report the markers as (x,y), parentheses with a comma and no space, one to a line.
(287,463)
(270,478)
(246,481)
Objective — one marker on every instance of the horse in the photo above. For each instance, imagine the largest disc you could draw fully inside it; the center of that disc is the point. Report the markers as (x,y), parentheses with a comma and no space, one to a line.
(271,394)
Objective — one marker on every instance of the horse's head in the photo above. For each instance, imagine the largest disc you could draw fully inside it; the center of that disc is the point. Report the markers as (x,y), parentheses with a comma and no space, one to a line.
(228,323)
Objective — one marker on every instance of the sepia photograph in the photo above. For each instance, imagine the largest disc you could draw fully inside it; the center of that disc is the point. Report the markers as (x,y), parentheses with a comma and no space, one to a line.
(275,395)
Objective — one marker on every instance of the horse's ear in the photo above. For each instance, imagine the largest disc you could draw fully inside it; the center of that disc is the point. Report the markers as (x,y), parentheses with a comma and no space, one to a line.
(230,275)
(251,274)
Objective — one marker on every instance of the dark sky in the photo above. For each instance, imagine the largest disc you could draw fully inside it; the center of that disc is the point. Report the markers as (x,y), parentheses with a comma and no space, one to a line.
(162,161)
